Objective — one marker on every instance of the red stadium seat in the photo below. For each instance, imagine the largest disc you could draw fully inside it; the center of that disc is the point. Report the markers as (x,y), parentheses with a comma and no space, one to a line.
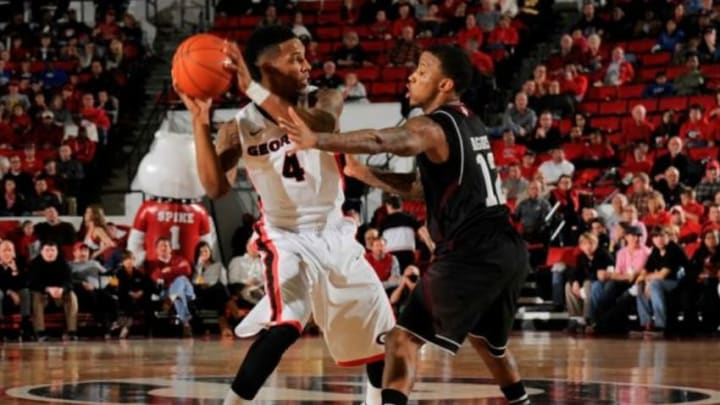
(567,255)
(368,74)
(606,123)
(677,103)
(707,102)
(249,21)
(330,33)
(656,59)
(8,227)
(574,151)
(648,74)
(650,104)
(394,73)
(631,91)
(416,209)
(384,89)
(640,47)
(612,107)
(703,153)
(375,46)
(675,71)
(564,126)
(588,107)
(326,48)
(329,19)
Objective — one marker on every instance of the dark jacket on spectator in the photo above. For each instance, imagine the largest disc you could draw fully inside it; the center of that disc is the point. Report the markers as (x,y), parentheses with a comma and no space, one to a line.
(23,182)
(10,281)
(49,274)
(681,162)
(674,259)
(63,233)
(587,268)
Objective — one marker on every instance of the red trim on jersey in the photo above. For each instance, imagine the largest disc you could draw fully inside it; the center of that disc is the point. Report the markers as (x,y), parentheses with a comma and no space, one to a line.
(272,280)
(339,163)
(360,362)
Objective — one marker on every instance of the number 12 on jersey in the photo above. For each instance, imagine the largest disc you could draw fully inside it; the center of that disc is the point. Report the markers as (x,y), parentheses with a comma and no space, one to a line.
(292,169)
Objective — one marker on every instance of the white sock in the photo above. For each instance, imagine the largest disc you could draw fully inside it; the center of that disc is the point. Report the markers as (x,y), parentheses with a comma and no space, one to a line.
(373,396)
(233,399)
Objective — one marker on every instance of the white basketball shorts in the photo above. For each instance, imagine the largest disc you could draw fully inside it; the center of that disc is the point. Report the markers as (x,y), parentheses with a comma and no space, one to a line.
(325,274)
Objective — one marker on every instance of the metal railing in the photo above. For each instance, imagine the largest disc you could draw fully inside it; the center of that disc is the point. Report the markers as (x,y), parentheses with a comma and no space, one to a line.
(147,132)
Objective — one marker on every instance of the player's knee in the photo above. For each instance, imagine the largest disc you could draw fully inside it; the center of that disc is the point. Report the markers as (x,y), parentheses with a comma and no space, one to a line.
(482,344)
(401,343)
(282,336)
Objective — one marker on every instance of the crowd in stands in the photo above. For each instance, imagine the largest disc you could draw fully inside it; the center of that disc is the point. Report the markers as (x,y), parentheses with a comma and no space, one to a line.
(62,84)
(90,271)
(366,48)
(609,152)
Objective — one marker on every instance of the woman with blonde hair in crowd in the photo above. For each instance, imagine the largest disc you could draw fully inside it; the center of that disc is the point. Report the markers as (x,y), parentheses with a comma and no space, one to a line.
(95,233)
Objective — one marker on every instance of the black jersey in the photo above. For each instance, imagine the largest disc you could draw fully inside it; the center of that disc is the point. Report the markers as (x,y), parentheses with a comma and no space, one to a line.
(463,195)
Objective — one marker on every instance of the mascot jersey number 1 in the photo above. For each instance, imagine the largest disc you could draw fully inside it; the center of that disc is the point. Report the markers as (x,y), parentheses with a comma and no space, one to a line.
(167,173)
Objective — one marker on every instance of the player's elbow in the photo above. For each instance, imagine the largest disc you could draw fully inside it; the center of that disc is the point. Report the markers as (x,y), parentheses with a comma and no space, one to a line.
(215,189)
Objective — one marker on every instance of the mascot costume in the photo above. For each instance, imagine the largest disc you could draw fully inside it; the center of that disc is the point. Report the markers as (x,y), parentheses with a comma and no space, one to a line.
(168,176)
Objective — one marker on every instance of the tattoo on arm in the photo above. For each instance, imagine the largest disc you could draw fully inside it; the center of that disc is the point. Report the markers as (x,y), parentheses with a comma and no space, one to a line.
(408,140)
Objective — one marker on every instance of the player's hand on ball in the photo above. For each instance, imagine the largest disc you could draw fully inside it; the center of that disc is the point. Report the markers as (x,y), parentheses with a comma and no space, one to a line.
(236,63)
(199,109)
(298,132)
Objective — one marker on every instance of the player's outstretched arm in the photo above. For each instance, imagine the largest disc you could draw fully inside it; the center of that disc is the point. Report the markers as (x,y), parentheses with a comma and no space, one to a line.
(210,171)
(406,185)
(417,135)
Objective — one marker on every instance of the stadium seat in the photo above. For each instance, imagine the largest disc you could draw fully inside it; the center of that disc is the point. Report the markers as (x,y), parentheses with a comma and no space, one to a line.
(640,47)
(368,74)
(631,91)
(656,59)
(567,255)
(384,88)
(606,123)
(703,153)
(329,34)
(574,151)
(612,107)
(394,73)
(588,107)
(676,103)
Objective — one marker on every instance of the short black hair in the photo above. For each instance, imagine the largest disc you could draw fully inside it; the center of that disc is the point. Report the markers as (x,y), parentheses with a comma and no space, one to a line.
(49,243)
(260,41)
(455,64)
(394,201)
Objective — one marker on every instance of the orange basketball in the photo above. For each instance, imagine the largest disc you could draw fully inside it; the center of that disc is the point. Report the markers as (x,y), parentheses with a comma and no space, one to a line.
(197,67)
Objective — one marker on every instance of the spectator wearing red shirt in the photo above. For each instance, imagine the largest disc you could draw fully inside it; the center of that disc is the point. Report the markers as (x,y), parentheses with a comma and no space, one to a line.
(567,54)
(503,39)
(597,152)
(386,265)
(83,148)
(47,135)
(31,164)
(108,28)
(172,273)
(482,61)
(471,31)
(404,20)
(93,114)
(689,230)
(696,131)
(381,28)
(639,161)
(713,218)
(7,137)
(638,128)
(573,83)
(18,52)
(657,215)
(528,168)
(508,151)
(71,98)
(21,125)
(693,210)
(617,72)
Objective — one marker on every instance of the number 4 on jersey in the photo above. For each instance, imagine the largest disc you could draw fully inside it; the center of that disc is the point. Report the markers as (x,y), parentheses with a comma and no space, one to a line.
(292,169)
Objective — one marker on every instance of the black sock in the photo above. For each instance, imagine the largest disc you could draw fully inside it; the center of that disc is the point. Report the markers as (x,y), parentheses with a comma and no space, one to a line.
(515,393)
(375,372)
(262,358)
(392,397)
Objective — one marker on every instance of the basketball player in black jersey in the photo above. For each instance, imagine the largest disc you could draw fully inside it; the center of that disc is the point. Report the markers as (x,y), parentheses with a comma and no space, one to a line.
(471,288)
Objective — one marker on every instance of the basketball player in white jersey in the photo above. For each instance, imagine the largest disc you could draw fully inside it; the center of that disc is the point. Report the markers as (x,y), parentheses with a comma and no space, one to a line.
(313,263)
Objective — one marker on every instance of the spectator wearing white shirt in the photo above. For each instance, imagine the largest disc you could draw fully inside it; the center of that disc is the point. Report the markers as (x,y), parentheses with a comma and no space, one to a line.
(556,167)
(299,29)
(353,91)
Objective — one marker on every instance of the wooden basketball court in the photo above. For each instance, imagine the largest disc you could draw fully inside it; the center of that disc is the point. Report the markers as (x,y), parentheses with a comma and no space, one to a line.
(558,370)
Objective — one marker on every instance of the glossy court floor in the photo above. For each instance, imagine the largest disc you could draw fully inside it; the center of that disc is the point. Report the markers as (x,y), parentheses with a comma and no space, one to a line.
(558,370)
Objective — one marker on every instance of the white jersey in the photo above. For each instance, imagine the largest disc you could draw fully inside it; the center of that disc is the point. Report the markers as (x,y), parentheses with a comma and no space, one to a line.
(300,191)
